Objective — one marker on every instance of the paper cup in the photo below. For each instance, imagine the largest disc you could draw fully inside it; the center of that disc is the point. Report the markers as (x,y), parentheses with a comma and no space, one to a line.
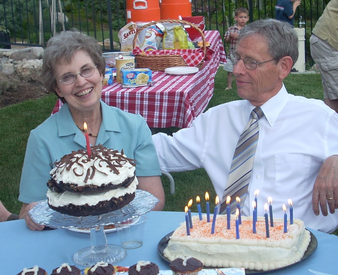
(124,62)
(109,57)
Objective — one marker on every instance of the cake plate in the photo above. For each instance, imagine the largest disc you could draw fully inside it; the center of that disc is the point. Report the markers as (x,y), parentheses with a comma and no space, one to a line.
(99,250)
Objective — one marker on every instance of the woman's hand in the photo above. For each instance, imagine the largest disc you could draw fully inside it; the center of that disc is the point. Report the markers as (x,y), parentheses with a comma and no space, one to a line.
(25,215)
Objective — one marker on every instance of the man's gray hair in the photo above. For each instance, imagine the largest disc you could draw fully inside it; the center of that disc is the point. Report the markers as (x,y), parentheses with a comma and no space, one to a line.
(280,36)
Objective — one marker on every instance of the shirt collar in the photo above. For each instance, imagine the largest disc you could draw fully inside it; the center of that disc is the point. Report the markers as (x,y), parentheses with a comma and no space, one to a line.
(109,119)
(273,107)
(65,122)
(66,125)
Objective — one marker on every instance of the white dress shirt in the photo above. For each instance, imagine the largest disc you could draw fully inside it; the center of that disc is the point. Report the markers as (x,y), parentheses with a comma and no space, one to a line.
(296,135)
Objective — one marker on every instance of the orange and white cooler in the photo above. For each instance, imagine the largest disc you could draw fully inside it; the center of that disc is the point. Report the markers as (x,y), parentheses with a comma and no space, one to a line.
(172,9)
(143,11)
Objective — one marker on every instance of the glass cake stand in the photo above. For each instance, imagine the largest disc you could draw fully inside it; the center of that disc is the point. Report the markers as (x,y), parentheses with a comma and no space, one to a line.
(99,250)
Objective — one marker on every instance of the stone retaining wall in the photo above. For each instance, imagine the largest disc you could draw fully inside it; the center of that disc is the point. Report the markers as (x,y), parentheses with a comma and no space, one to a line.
(21,65)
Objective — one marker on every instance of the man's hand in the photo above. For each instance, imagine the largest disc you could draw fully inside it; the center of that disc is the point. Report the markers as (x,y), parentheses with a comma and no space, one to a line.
(325,189)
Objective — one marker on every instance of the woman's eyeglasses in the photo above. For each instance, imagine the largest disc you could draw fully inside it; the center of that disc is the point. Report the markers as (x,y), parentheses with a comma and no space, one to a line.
(70,78)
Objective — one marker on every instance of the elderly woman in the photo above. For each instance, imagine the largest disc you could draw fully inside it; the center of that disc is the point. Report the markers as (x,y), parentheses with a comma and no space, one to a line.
(74,69)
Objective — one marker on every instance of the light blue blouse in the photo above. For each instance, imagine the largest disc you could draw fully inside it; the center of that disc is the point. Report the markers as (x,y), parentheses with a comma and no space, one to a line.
(58,135)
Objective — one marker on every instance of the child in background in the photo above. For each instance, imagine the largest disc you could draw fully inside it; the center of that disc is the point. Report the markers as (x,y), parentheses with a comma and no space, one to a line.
(241,17)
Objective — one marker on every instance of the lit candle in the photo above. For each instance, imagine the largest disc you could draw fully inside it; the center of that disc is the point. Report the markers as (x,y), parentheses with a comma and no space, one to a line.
(237,224)
(270,211)
(215,215)
(256,195)
(266,207)
(189,212)
(254,217)
(285,219)
(208,207)
(199,207)
(228,211)
(291,211)
(187,220)
(239,209)
(254,205)
(87,139)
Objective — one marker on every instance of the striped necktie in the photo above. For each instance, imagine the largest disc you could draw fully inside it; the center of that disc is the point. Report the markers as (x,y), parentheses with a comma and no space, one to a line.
(242,162)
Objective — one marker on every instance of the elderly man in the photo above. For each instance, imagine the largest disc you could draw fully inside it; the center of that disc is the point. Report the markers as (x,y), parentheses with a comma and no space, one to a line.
(287,151)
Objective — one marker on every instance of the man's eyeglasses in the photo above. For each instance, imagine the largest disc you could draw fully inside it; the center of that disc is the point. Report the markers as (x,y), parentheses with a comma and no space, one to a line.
(70,78)
(249,63)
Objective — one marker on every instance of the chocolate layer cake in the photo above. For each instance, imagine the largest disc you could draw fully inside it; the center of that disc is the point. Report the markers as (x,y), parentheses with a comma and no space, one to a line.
(82,186)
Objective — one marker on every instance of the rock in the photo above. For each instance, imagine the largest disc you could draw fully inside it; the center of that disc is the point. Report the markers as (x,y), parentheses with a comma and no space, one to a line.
(29,70)
(106,43)
(28,53)
(8,69)
(20,66)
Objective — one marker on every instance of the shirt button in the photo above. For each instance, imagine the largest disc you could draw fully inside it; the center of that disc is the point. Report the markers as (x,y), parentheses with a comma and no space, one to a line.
(257,177)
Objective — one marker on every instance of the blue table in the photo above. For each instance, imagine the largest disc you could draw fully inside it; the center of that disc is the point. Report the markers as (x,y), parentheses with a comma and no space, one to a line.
(21,247)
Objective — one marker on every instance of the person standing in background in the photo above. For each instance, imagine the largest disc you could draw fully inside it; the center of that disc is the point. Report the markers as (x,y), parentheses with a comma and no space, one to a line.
(241,17)
(285,10)
(324,51)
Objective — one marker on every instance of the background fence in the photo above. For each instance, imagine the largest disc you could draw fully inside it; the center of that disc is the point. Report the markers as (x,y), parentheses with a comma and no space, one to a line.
(33,22)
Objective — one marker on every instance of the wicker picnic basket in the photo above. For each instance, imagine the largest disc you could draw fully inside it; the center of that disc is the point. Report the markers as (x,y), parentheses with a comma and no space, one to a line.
(161,62)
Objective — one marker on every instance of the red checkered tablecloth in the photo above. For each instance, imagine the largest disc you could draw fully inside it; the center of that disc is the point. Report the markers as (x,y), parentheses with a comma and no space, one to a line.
(173,101)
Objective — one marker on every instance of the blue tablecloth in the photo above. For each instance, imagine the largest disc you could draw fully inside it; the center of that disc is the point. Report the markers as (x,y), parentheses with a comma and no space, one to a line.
(21,247)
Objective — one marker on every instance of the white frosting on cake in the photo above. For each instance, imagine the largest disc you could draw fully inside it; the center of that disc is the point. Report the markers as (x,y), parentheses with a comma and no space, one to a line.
(77,198)
(34,269)
(251,251)
(140,264)
(62,266)
(75,167)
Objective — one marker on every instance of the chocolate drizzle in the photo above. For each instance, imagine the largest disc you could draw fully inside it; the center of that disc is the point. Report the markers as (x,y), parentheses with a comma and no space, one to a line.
(100,155)
(101,270)
(66,269)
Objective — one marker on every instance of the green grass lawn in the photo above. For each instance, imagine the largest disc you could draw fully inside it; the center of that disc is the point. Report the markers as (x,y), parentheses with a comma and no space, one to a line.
(16,121)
